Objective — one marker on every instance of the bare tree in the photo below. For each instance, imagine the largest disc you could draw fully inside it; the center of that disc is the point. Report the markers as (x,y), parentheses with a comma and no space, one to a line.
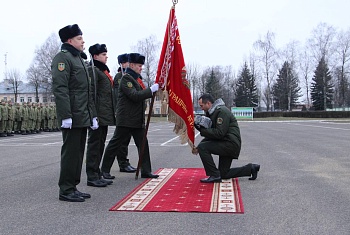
(305,68)
(268,56)
(321,42)
(35,79)
(14,81)
(229,87)
(149,47)
(289,53)
(255,70)
(43,59)
(342,58)
(193,76)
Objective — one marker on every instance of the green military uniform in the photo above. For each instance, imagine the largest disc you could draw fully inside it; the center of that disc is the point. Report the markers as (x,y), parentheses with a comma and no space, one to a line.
(71,87)
(50,117)
(223,139)
(11,118)
(43,113)
(4,118)
(38,118)
(25,117)
(46,117)
(106,117)
(130,121)
(18,119)
(122,162)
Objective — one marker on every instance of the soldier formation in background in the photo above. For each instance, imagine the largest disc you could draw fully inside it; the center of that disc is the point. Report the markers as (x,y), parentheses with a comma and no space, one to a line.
(27,118)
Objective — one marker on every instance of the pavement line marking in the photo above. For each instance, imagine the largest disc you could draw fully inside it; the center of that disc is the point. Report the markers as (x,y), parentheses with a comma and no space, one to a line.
(169,141)
(325,127)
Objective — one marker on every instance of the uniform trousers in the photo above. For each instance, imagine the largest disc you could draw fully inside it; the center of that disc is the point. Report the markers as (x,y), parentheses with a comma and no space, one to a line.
(115,147)
(227,151)
(96,145)
(72,154)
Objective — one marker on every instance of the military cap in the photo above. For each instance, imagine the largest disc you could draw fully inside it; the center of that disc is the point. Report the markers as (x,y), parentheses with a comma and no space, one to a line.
(97,49)
(70,31)
(123,58)
(136,58)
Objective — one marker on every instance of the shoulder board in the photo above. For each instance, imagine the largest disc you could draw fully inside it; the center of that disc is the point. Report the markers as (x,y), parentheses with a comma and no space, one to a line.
(64,50)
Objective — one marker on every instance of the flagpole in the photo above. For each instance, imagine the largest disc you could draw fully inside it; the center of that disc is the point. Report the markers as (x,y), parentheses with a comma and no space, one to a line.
(147,125)
(144,137)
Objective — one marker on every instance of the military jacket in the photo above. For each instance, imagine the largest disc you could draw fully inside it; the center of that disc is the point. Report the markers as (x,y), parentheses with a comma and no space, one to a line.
(104,103)
(72,87)
(131,101)
(224,126)
(4,112)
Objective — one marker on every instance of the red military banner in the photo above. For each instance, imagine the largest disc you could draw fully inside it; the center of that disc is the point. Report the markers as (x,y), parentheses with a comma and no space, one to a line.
(171,76)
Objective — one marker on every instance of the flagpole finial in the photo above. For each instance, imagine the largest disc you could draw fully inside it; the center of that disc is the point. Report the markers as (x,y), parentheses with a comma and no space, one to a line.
(175,2)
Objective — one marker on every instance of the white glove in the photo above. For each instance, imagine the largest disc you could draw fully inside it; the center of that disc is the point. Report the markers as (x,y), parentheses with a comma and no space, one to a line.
(67,123)
(94,123)
(154,87)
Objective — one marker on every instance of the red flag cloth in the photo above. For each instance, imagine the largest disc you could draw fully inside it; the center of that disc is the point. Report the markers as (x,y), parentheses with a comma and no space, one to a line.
(171,76)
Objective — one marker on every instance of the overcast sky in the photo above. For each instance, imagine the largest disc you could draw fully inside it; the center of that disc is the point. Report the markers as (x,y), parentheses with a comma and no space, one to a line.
(213,32)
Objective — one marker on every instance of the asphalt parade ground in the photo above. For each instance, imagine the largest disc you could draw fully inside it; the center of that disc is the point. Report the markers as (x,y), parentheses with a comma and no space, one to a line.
(302,186)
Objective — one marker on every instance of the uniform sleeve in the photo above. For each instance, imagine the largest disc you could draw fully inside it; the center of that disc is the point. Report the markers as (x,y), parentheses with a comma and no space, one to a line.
(127,85)
(60,68)
(220,127)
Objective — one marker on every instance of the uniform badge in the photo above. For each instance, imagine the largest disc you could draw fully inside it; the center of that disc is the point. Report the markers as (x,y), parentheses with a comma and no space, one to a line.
(129,84)
(219,121)
(61,66)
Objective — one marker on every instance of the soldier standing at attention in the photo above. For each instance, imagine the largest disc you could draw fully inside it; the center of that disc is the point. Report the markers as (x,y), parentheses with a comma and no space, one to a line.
(18,119)
(131,116)
(38,118)
(4,118)
(25,117)
(11,118)
(75,109)
(2,134)
(103,92)
(123,161)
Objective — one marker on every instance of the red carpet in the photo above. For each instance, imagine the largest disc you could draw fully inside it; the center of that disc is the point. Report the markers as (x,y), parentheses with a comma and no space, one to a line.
(179,190)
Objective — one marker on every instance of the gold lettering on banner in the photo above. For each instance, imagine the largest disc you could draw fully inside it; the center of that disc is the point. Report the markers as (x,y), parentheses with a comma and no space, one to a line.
(190,120)
(178,40)
(177,100)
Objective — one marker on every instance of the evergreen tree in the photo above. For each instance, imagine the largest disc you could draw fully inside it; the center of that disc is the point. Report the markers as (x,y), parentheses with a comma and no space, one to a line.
(212,84)
(322,87)
(246,90)
(286,89)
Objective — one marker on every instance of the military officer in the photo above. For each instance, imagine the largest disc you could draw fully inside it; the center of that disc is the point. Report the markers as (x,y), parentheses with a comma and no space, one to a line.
(221,138)
(131,116)
(75,109)
(123,161)
(104,102)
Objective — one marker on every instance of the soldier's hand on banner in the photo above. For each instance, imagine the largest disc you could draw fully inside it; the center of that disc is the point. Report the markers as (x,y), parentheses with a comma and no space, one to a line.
(194,151)
(198,127)
(94,123)
(67,123)
(154,87)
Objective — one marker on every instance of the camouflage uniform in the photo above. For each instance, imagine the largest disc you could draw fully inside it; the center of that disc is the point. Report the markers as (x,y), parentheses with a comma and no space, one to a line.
(25,117)
(3,118)
(18,119)
(11,118)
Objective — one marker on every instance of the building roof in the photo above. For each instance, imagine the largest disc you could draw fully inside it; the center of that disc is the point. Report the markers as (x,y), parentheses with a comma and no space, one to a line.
(24,88)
